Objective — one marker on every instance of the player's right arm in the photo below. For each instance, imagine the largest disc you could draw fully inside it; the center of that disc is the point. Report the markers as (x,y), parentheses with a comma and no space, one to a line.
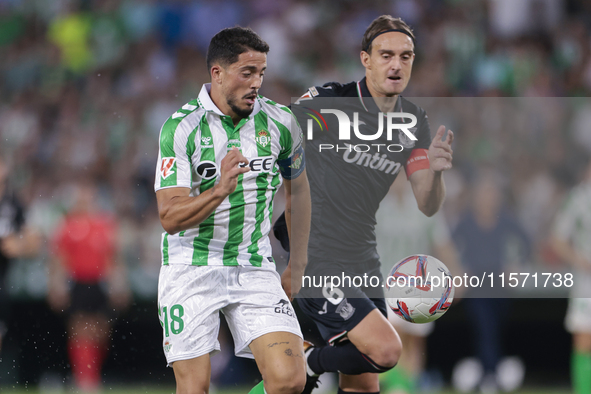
(179,211)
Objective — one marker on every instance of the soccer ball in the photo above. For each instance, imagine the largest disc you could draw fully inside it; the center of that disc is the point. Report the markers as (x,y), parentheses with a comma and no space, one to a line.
(419,289)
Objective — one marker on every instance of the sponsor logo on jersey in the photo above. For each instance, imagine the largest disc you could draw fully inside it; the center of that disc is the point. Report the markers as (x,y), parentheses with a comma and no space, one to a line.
(260,164)
(313,91)
(263,138)
(207,169)
(375,161)
(206,141)
(284,307)
(166,165)
(234,144)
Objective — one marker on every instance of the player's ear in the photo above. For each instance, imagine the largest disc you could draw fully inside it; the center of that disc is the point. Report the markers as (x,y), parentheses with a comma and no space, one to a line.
(217,74)
(365,59)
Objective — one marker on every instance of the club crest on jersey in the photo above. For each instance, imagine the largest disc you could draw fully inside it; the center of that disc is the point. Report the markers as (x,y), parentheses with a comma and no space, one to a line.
(345,309)
(296,162)
(166,166)
(207,169)
(263,138)
(404,140)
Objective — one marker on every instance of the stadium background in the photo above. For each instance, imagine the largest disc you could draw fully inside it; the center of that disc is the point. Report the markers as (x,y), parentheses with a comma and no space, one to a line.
(86,85)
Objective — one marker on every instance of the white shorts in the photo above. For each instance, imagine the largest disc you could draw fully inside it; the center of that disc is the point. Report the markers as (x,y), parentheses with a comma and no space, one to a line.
(191,297)
(578,315)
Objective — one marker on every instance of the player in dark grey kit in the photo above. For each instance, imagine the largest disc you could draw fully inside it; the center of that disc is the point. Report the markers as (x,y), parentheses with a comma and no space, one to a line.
(347,184)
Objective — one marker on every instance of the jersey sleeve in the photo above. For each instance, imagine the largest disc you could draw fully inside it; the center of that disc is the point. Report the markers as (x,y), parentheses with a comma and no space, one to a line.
(291,158)
(330,89)
(173,168)
(419,158)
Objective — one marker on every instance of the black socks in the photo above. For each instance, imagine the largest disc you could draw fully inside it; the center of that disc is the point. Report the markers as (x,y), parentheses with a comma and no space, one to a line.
(343,358)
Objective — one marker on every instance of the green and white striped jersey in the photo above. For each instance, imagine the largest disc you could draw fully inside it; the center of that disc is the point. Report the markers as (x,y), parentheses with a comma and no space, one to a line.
(573,221)
(193,142)
(573,224)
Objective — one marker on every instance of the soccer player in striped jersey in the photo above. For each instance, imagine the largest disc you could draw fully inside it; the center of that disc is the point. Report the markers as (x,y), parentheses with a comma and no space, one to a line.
(570,238)
(222,158)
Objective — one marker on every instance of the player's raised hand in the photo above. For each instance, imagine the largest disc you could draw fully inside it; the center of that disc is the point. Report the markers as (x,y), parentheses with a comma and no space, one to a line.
(231,167)
(440,152)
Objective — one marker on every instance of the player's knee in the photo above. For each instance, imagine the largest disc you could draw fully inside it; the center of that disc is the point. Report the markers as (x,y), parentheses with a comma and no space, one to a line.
(192,388)
(387,354)
(189,382)
(285,381)
(582,342)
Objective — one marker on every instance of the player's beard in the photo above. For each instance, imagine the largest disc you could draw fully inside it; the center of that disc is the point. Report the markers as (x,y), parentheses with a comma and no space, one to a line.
(243,113)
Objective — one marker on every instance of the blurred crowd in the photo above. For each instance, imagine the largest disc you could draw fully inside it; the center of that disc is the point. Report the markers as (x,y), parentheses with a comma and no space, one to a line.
(85,86)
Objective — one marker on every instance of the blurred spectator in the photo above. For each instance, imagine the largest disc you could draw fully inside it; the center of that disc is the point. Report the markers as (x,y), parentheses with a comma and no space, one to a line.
(572,232)
(88,282)
(71,33)
(486,236)
(15,240)
(510,18)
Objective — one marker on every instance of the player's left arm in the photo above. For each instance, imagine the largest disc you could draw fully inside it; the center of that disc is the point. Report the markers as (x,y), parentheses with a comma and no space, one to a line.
(427,183)
(298,208)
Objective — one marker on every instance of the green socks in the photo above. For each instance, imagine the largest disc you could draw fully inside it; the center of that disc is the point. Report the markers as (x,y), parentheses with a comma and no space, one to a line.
(581,372)
(258,389)
(397,379)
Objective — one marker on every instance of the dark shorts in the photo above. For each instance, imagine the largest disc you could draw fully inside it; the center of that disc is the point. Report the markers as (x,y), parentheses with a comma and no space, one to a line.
(336,316)
(89,298)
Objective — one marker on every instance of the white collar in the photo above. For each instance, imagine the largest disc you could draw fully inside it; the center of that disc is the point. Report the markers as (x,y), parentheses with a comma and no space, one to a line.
(208,104)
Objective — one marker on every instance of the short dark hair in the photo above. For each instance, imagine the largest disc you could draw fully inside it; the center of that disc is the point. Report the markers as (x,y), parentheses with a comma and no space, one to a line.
(229,43)
(382,23)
